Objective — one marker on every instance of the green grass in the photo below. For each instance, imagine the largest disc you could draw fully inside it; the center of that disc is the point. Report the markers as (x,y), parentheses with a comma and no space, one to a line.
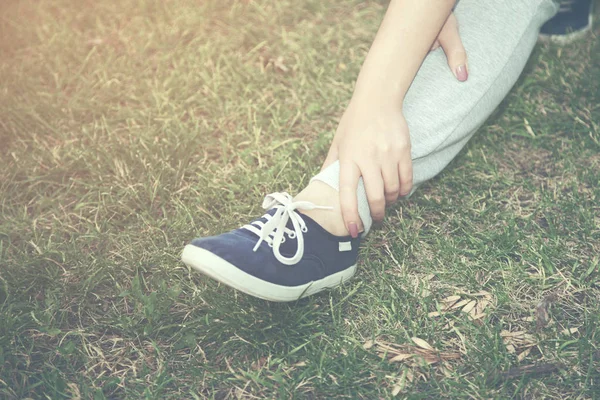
(128,128)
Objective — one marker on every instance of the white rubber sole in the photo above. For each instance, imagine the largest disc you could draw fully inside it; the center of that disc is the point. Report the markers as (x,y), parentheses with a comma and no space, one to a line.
(217,268)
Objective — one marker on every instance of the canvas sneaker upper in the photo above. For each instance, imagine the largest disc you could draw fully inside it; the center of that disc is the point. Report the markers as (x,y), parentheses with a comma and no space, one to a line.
(285,253)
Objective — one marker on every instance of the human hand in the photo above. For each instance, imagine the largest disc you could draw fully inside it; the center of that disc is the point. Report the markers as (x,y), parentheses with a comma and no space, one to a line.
(449,40)
(371,141)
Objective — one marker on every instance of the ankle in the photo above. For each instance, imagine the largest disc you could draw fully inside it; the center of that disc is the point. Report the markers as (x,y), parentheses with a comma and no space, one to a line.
(322,194)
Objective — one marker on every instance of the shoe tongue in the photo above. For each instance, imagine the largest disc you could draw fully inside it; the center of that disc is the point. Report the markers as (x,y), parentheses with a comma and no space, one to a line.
(247,233)
(271,212)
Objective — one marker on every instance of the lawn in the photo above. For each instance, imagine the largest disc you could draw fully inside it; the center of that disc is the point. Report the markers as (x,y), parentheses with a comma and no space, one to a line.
(127,128)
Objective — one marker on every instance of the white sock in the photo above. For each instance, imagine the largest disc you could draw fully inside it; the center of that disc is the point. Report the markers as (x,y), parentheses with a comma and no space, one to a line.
(331,176)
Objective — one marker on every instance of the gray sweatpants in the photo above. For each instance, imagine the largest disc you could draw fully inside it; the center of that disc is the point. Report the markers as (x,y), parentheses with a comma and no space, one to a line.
(443,113)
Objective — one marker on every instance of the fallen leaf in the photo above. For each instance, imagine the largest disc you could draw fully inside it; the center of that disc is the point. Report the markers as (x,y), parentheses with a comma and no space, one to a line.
(449,325)
(446,371)
(451,299)
(421,343)
(401,357)
(300,364)
(259,364)
(398,387)
(570,331)
(505,333)
(542,317)
(414,355)
(528,127)
(481,305)
(475,317)
(459,304)
(524,354)
(470,306)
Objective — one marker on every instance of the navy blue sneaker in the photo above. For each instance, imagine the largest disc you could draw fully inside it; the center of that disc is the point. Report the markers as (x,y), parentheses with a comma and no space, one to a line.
(282,256)
(572,22)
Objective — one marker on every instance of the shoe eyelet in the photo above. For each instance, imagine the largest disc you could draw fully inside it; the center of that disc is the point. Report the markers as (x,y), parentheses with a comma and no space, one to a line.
(271,245)
(292,235)
(283,239)
(304,229)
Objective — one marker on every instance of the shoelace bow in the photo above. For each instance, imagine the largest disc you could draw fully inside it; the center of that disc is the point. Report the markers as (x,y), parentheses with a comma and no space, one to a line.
(274,230)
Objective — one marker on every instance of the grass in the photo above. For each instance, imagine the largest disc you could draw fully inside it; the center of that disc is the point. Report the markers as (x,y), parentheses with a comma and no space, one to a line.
(129,128)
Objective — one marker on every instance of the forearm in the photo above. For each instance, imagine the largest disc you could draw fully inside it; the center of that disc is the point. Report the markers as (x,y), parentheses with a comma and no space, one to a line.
(404,38)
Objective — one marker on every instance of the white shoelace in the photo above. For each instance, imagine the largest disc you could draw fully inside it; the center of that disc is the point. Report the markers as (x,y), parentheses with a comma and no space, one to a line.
(274,230)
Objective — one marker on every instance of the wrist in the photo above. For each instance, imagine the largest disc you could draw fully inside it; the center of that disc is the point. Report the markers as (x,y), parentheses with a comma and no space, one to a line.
(379,96)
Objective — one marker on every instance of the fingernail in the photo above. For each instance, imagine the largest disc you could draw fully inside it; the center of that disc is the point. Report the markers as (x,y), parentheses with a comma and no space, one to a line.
(461,73)
(353,228)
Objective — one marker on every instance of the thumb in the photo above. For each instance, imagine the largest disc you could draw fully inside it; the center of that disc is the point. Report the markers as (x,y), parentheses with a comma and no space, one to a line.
(456,54)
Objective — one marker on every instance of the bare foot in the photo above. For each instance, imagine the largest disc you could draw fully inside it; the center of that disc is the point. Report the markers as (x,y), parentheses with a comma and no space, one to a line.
(322,194)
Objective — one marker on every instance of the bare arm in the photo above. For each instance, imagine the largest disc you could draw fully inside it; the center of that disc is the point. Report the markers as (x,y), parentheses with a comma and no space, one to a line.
(405,36)
(372,139)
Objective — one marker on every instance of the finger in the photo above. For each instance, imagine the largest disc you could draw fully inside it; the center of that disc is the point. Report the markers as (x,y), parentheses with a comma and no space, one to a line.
(391,182)
(375,192)
(349,175)
(456,54)
(405,171)
(332,156)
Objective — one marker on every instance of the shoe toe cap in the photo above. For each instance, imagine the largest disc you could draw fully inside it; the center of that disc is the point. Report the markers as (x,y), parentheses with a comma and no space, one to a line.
(228,245)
